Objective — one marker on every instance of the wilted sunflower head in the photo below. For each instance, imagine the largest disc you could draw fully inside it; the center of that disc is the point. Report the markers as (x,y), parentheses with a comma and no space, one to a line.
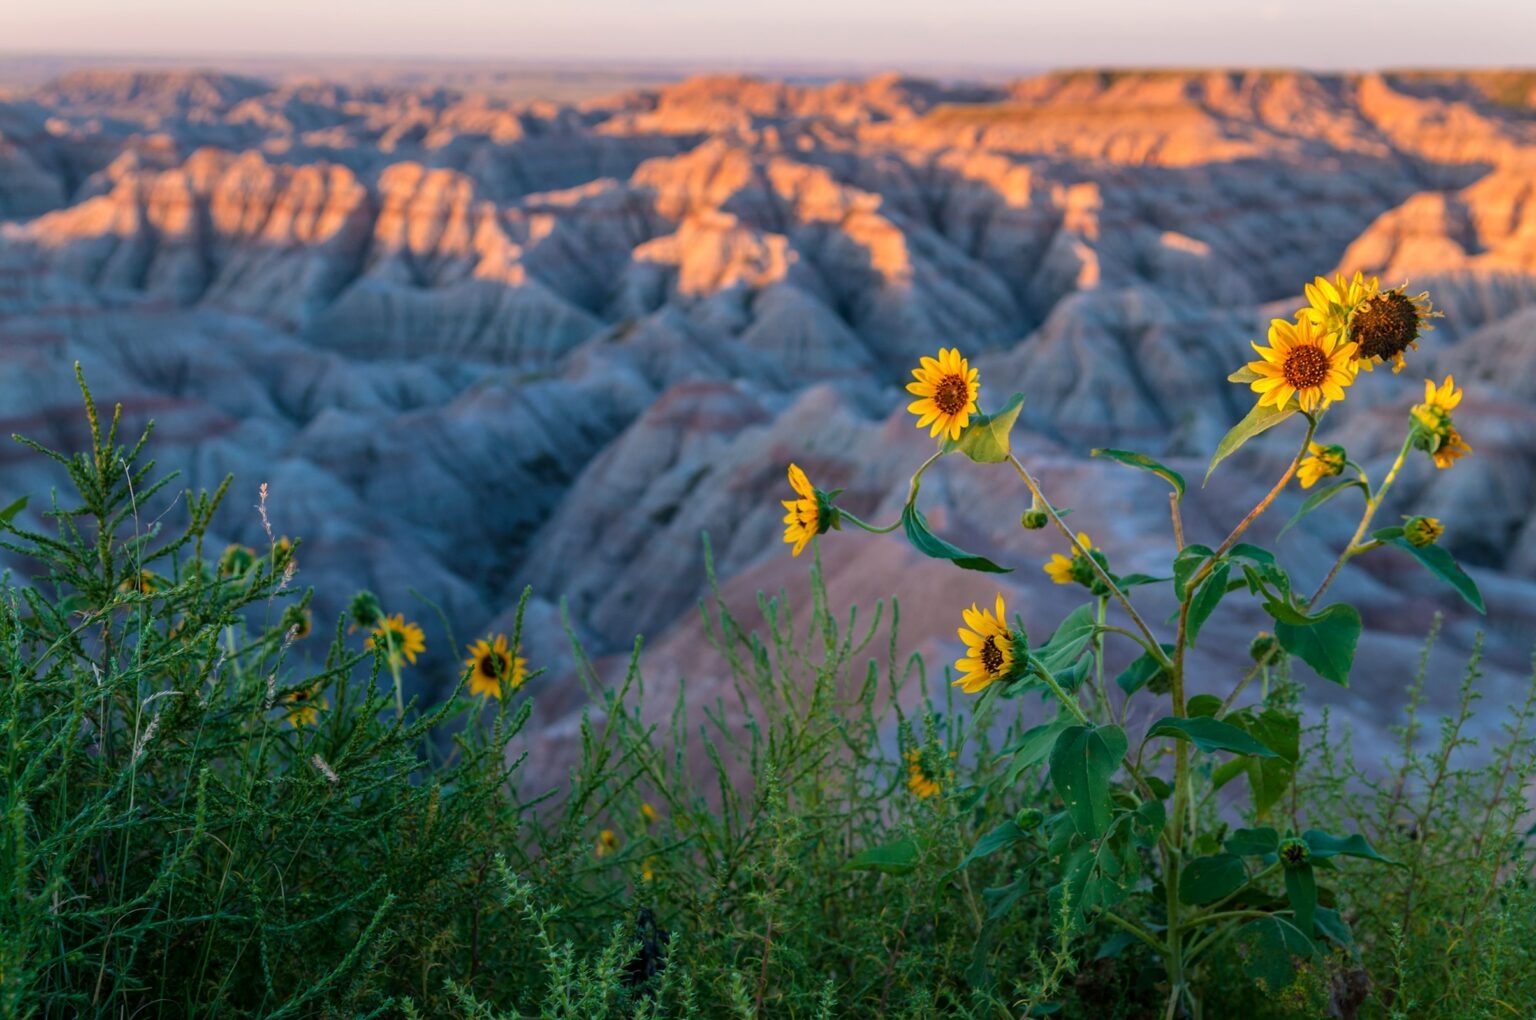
(1389,323)
(1433,430)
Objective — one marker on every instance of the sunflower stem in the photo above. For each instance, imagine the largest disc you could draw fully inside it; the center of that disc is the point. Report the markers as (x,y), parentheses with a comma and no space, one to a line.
(1104,576)
(865,525)
(1354,548)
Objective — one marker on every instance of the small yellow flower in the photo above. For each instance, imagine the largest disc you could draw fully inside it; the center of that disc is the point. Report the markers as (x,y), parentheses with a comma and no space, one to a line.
(145,582)
(947,388)
(399,639)
(1303,361)
(306,707)
(1389,323)
(989,649)
(1452,448)
(920,780)
(648,869)
(1439,402)
(1330,305)
(1321,462)
(236,559)
(1072,568)
(1423,531)
(648,813)
(494,665)
(607,843)
(809,515)
(1434,432)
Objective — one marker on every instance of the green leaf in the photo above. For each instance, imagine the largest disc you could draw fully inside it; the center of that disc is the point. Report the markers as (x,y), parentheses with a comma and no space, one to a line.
(1207,597)
(1244,375)
(1004,835)
(1186,563)
(1072,635)
(1266,946)
(1033,747)
(1082,762)
(1124,581)
(1256,553)
(1202,705)
(1261,419)
(1141,671)
(1208,879)
(986,439)
(896,858)
(12,510)
(1145,463)
(1270,778)
(1301,890)
(1322,496)
(1324,845)
(926,542)
(1209,735)
(1254,842)
(1327,644)
(1333,927)
(1437,560)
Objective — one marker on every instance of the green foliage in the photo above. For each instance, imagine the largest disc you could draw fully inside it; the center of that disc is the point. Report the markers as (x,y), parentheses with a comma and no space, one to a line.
(926,542)
(986,440)
(1258,421)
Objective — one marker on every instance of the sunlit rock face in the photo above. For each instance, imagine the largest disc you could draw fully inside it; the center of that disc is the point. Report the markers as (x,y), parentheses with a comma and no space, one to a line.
(475,345)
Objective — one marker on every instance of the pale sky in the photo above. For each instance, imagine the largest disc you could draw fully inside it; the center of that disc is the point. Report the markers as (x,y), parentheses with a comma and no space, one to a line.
(951,33)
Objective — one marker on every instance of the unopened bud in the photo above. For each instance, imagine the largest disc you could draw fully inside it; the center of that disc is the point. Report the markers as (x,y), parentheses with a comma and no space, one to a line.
(1423,531)
(1294,853)
(1034,520)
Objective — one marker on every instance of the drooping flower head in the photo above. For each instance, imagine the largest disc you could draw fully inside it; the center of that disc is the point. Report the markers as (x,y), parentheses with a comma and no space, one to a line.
(991,652)
(1319,463)
(809,515)
(494,667)
(1075,568)
(1433,430)
(400,640)
(365,611)
(298,621)
(946,388)
(1389,323)
(1330,305)
(1302,361)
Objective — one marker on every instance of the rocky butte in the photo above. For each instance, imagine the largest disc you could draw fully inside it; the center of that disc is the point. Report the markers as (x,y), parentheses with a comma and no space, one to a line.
(474,344)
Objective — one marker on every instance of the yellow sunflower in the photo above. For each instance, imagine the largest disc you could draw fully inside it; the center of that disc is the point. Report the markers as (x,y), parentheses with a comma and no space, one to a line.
(1452,448)
(946,389)
(399,639)
(607,843)
(989,649)
(1329,305)
(921,780)
(808,516)
(305,710)
(1389,323)
(145,582)
(1303,361)
(494,665)
(1319,463)
(1067,569)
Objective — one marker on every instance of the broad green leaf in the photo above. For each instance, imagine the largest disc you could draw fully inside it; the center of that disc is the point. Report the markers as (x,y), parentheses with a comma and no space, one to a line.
(1207,597)
(1145,463)
(1440,563)
(1186,563)
(1208,879)
(1322,496)
(1150,818)
(986,439)
(1202,705)
(1324,845)
(1209,735)
(1004,835)
(1082,762)
(1253,842)
(896,858)
(1244,375)
(1248,551)
(1327,644)
(1333,927)
(1124,581)
(1301,890)
(12,510)
(1266,946)
(1071,637)
(1033,747)
(1270,778)
(1141,671)
(1259,420)
(926,542)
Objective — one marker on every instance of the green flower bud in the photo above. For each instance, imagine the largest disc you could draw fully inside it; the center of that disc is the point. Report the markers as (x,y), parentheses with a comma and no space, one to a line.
(236,560)
(1294,853)
(1423,531)
(1029,819)
(1263,646)
(1034,520)
(365,610)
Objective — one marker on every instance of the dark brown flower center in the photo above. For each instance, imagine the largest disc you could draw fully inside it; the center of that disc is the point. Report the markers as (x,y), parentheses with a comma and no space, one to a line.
(1385,325)
(1305,366)
(952,394)
(495,665)
(991,656)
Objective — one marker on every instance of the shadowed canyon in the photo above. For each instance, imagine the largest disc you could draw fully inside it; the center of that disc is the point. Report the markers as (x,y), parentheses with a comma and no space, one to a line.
(474,344)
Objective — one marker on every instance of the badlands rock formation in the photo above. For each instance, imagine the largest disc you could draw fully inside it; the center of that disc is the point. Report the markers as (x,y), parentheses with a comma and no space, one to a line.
(473,345)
